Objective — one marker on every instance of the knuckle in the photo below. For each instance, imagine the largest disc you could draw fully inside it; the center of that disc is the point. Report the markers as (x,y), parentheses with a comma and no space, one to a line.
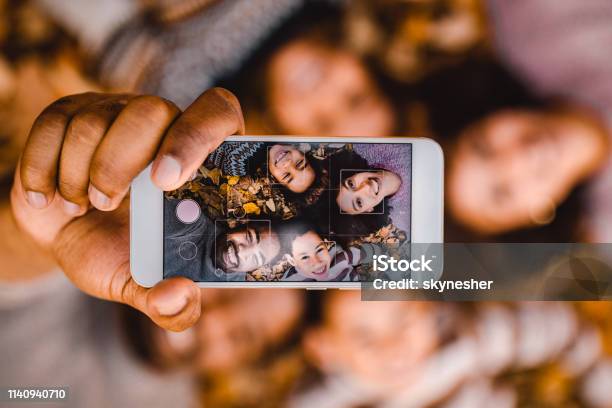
(50,120)
(153,108)
(225,95)
(66,102)
(60,104)
(86,127)
(228,106)
(191,134)
(227,100)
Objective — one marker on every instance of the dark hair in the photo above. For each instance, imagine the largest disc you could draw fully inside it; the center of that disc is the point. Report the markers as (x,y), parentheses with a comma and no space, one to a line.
(289,230)
(344,228)
(458,96)
(312,193)
(347,163)
(338,226)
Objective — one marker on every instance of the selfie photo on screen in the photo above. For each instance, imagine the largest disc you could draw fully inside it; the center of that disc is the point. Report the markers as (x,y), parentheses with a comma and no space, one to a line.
(299,212)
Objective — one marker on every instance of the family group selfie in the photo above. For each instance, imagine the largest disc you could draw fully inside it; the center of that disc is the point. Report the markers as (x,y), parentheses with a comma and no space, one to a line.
(197,198)
(309,211)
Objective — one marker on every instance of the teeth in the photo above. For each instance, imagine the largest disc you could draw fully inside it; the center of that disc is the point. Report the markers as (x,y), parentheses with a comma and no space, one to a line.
(280,157)
(231,256)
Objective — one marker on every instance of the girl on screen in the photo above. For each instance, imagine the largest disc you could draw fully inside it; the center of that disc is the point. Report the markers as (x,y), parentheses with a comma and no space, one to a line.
(362,199)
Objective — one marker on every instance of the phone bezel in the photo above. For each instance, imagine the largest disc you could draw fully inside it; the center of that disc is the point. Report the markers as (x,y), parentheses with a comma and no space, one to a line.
(427,211)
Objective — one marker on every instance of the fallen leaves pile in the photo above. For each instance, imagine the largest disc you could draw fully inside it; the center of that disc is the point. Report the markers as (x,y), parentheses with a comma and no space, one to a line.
(235,198)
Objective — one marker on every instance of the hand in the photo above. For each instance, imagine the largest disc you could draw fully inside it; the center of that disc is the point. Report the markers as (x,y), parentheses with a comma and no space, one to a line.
(72,181)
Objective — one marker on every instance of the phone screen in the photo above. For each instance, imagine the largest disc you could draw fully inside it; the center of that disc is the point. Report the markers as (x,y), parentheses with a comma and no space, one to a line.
(274,211)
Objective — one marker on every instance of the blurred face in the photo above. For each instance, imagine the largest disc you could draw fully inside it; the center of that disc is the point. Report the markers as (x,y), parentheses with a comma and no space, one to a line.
(382,344)
(290,167)
(310,256)
(226,337)
(316,90)
(248,249)
(513,168)
(361,192)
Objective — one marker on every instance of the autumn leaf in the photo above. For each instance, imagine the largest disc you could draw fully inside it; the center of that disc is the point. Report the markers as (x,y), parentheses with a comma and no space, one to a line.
(233,180)
(251,208)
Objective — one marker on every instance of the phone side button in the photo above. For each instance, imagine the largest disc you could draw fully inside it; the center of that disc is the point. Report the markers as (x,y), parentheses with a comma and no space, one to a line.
(316,288)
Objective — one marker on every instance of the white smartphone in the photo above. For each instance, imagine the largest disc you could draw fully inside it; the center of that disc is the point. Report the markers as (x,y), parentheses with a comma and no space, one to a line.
(282,211)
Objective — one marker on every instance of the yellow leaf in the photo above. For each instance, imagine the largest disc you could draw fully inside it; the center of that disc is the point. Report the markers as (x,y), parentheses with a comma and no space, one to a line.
(251,208)
(233,180)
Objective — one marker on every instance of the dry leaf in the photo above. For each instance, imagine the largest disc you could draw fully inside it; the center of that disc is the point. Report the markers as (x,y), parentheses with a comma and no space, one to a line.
(251,208)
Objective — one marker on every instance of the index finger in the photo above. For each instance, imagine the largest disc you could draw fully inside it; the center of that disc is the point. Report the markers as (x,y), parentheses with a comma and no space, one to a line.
(40,158)
(215,115)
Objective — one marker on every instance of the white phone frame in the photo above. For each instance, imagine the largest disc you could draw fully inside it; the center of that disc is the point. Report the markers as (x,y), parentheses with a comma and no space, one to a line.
(427,211)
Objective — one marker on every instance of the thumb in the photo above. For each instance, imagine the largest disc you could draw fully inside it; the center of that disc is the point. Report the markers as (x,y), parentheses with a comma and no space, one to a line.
(93,252)
(174,303)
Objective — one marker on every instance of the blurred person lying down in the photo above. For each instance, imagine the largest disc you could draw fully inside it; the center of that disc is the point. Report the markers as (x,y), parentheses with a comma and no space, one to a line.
(318,89)
(240,358)
(560,54)
(311,84)
(514,167)
(427,354)
(225,338)
(512,160)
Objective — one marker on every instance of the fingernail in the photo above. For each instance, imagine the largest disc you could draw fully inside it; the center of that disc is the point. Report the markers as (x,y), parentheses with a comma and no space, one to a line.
(36,199)
(98,198)
(70,208)
(170,305)
(168,172)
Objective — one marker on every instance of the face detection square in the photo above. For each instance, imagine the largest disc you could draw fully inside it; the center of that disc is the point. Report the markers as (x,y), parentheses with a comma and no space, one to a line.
(359,191)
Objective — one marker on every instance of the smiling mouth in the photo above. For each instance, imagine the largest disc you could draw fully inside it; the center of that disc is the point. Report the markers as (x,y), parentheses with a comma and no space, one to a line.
(320,271)
(281,156)
(231,256)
